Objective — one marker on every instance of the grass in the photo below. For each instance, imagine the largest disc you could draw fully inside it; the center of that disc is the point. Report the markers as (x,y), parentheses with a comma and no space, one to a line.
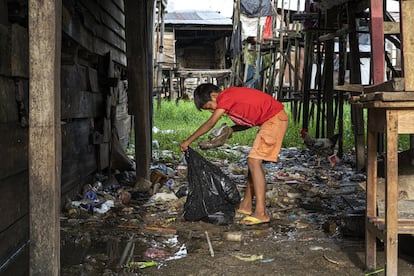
(174,123)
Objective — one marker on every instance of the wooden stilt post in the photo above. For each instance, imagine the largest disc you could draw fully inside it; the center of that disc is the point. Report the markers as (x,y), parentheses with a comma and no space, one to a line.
(307,72)
(355,78)
(340,96)
(44,136)
(139,27)
(328,76)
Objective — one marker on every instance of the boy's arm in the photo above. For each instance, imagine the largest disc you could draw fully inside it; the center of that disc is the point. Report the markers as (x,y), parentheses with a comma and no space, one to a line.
(239,128)
(204,128)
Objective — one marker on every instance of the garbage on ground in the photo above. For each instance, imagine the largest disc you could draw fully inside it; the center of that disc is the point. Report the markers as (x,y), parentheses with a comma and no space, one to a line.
(161,197)
(181,253)
(140,264)
(233,236)
(247,257)
(104,207)
(302,202)
(154,253)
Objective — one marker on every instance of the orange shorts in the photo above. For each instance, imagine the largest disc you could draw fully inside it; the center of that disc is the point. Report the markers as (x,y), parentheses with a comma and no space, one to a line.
(269,138)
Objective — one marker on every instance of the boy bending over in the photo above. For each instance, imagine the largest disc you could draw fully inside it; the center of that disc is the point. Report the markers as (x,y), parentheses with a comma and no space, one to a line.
(246,107)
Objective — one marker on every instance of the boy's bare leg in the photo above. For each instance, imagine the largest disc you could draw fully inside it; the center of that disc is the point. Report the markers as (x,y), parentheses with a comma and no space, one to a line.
(259,185)
(245,206)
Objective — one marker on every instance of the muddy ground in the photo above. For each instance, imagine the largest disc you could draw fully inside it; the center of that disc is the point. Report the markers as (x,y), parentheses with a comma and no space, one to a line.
(317,225)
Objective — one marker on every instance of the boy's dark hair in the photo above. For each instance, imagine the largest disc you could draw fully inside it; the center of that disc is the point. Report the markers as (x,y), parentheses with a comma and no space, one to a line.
(202,94)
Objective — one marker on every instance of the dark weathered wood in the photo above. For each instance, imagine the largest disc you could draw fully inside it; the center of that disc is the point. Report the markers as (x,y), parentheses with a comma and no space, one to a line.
(83,104)
(15,243)
(104,18)
(76,101)
(14,58)
(139,27)
(328,76)
(307,69)
(73,27)
(93,82)
(19,265)
(340,96)
(123,127)
(19,51)
(4,14)
(14,149)
(112,9)
(395,84)
(15,196)
(120,4)
(388,96)
(371,191)
(8,108)
(78,154)
(45,136)
(5,55)
(355,78)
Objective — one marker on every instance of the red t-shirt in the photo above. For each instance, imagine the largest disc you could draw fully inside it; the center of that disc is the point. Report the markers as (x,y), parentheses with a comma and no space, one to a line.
(247,106)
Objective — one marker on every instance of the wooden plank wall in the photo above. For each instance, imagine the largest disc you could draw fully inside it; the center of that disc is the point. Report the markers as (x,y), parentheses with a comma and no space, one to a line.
(14,182)
(93,94)
(94,98)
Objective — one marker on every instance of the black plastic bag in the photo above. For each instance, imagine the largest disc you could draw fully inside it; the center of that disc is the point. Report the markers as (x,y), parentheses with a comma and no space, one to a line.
(212,195)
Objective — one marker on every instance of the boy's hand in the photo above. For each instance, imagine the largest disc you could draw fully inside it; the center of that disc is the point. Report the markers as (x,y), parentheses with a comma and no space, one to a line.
(184,145)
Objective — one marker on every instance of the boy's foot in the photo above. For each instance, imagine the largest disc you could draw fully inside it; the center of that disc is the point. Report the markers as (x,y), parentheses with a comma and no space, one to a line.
(250,220)
(240,213)
(243,212)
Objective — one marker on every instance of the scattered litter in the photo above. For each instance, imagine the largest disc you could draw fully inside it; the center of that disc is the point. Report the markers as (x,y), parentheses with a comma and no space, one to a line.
(105,207)
(181,253)
(161,197)
(316,248)
(233,236)
(140,264)
(331,260)
(161,229)
(210,247)
(248,258)
(374,272)
(154,253)
(267,260)
(302,199)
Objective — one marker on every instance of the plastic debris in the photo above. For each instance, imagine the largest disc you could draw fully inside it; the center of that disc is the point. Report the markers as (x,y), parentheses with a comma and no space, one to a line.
(212,195)
(105,207)
(161,197)
(267,260)
(233,236)
(154,253)
(375,272)
(248,258)
(141,264)
(181,253)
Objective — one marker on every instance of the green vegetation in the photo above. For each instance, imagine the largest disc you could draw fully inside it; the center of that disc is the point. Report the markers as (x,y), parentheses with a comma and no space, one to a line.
(174,123)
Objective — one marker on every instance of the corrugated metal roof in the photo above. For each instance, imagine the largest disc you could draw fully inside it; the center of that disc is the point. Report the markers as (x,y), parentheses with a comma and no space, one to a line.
(196,18)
